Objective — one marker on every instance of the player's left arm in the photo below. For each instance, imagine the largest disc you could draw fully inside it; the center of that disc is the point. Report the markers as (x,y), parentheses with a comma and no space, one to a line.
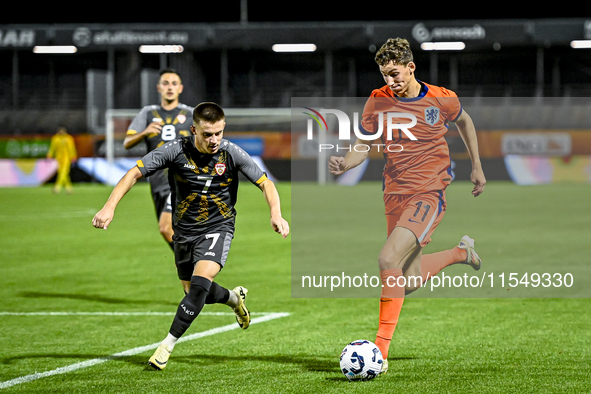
(468,133)
(253,172)
(72,149)
(278,223)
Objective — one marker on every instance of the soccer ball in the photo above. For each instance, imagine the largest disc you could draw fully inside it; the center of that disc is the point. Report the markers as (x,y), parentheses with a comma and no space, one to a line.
(361,360)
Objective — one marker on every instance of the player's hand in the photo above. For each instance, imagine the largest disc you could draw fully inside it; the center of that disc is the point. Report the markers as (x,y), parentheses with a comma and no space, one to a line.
(103,218)
(280,226)
(336,165)
(478,179)
(155,127)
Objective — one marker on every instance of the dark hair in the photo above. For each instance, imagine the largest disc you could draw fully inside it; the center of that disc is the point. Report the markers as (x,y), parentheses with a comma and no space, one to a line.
(396,50)
(170,71)
(208,112)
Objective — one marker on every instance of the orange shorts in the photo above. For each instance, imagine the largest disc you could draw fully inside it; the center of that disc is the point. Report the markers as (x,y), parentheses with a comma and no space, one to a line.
(420,213)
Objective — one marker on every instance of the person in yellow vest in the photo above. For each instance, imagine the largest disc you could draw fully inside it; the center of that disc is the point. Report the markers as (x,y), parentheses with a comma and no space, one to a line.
(62,148)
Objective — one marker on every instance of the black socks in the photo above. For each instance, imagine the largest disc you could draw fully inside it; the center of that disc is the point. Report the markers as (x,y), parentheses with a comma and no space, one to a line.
(191,305)
(202,291)
(217,294)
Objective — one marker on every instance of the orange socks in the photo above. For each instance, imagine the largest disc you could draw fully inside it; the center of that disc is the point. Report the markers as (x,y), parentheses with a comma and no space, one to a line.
(390,306)
(392,296)
(389,312)
(432,263)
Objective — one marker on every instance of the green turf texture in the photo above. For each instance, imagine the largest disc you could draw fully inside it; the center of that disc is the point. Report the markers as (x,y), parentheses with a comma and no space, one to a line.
(52,259)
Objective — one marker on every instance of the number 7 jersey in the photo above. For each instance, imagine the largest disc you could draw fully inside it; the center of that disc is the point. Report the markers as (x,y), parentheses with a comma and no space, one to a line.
(204,186)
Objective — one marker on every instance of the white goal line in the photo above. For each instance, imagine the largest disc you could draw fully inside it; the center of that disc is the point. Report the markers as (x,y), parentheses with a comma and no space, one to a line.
(268,316)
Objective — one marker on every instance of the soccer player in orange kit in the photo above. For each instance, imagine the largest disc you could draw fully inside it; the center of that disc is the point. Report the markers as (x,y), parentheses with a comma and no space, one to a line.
(415,178)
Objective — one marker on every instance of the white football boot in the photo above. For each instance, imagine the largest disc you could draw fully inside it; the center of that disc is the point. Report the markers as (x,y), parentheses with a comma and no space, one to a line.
(472,259)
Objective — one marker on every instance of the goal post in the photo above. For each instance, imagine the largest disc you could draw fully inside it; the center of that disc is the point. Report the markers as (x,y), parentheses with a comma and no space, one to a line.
(111,117)
(111,160)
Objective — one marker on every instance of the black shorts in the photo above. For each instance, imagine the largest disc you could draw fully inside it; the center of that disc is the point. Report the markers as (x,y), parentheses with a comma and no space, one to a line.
(211,245)
(162,203)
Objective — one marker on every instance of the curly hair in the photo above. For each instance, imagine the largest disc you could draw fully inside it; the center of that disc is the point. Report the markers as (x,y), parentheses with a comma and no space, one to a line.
(396,50)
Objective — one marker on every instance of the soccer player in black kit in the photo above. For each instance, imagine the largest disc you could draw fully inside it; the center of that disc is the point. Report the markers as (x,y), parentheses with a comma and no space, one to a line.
(204,171)
(155,125)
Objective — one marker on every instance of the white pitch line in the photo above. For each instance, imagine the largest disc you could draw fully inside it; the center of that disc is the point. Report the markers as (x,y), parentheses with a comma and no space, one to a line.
(134,351)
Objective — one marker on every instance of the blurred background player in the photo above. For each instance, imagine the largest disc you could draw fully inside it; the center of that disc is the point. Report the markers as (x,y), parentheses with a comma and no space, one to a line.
(205,174)
(63,149)
(155,125)
(415,179)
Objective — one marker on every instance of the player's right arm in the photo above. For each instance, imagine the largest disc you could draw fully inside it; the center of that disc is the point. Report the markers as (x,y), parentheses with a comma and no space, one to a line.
(140,122)
(339,164)
(155,160)
(104,217)
(132,140)
(51,151)
(368,126)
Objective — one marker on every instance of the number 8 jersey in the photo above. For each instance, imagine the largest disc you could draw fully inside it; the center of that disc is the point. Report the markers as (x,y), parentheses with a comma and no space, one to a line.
(176,123)
(204,187)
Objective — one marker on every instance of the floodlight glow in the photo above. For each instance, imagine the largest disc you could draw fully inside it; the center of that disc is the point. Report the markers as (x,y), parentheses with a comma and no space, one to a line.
(161,48)
(580,44)
(55,49)
(294,48)
(443,46)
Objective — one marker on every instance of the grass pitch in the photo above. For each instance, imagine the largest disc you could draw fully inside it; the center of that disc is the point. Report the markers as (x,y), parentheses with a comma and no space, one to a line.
(105,284)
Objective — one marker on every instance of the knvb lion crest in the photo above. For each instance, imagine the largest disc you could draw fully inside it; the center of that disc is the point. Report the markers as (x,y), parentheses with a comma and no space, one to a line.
(220,168)
(431,115)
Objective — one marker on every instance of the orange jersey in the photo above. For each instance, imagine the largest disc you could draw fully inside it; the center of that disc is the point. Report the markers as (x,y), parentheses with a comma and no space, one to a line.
(412,166)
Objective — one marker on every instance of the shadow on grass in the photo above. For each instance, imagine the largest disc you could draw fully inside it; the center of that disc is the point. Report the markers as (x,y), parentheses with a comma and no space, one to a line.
(311,364)
(94,298)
